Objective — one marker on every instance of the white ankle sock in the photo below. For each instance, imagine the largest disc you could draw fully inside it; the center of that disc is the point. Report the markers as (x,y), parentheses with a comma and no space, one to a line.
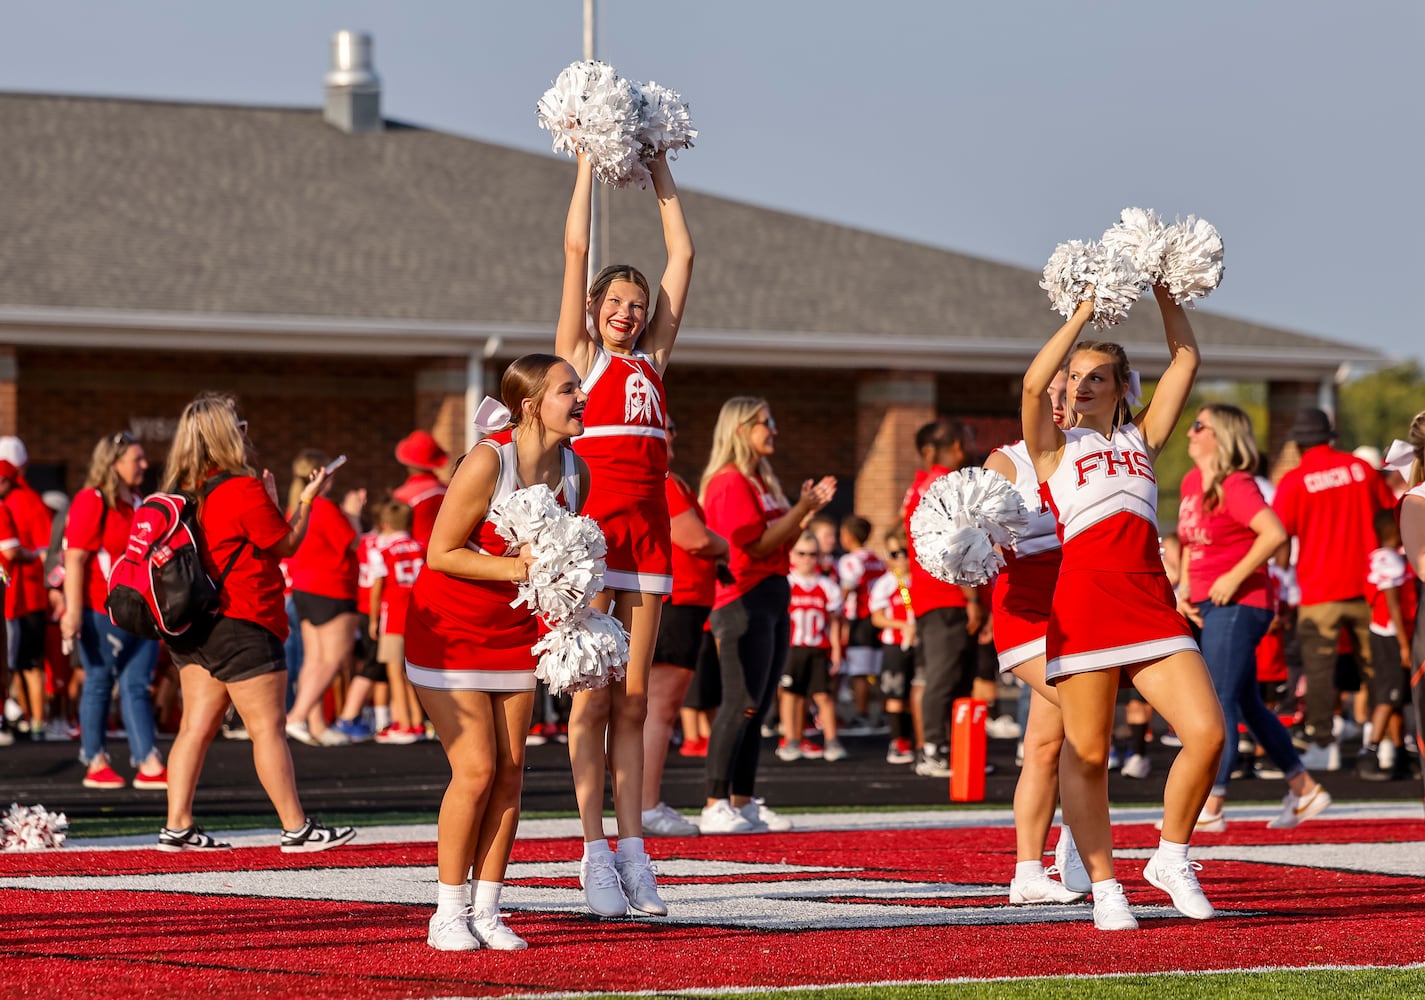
(1025,870)
(451,898)
(1101,888)
(382,716)
(1172,853)
(595,848)
(630,847)
(485,895)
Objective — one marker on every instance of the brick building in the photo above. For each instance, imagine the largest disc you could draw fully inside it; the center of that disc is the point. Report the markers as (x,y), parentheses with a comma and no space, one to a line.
(351,285)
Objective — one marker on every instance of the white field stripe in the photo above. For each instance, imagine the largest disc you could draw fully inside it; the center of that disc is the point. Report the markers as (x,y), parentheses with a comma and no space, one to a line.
(916,819)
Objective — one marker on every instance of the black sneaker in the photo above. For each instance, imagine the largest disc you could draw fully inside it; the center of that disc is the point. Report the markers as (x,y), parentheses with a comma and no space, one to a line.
(191,839)
(1368,767)
(314,836)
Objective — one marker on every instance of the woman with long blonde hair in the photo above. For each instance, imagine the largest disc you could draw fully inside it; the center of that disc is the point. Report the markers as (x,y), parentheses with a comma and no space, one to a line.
(1411,513)
(95,535)
(750,620)
(237,657)
(621,350)
(1228,533)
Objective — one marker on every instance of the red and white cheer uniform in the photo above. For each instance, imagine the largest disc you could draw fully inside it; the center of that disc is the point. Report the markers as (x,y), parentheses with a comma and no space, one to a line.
(1024,590)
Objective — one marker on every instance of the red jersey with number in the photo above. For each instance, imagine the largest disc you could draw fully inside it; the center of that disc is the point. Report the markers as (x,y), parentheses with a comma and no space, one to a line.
(1390,571)
(888,596)
(368,561)
(926,592)
(87,518)
(325,563)
(33,522)
(814,604)
(694,577)
(857,571)
(625,440)
(401,560)
(238,513)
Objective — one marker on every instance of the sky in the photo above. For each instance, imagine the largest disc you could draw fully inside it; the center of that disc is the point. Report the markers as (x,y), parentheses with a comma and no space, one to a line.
(1297,127)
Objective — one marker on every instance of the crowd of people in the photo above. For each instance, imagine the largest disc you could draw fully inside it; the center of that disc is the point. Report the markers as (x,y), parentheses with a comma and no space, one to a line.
(753,617)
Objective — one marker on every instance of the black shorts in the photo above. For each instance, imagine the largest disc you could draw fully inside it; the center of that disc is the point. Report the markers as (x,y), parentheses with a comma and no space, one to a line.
(986,661)
(705,693)
(30,653)
(863,633)
(1389,682)
(317,610)
(235,650)
(366,643)
(808,671)
(897,668)
(680,635)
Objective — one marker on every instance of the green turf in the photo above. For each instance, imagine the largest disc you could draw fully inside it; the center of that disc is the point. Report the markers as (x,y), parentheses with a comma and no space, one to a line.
(1358,984)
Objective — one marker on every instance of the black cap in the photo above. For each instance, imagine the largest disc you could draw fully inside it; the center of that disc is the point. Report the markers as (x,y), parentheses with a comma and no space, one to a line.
(1312,427)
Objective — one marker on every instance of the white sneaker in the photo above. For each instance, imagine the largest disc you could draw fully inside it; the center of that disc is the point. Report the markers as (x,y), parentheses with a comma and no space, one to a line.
(489,929)
(6,740)
(1041,889)
(603,890)
(1137,766)
(451,932)
(1180,882)
(1205,823)
(1319,758)
(14,712)
(664,821)
(639,886)
(761,817)
(768,730)
(1071,866)
(1111,912)
(833,752)
(1385,755)
(789,751)
(1296,811)
(1344,729)
(1004,727)
(330,737)
(299,732)
(720,817)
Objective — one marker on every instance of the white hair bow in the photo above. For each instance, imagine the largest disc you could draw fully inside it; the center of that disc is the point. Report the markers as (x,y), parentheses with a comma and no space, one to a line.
(1400,456)
(1134,395)
(491,416)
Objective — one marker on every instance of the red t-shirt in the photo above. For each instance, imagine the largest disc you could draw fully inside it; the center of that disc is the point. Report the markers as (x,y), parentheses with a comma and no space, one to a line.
(401,560)
(325,563)
(81,531)
(33,522)
(1220,537)
(1329,503)
(238,512)
(423,493)
(926,592)
(740,508)
(9,546)
(694,577)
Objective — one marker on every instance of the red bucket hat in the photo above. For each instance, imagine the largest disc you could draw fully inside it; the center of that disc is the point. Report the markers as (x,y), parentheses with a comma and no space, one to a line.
(419,451)
(8,471)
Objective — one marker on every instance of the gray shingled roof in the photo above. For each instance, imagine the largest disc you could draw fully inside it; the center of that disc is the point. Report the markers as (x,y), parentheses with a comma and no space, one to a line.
(126,205)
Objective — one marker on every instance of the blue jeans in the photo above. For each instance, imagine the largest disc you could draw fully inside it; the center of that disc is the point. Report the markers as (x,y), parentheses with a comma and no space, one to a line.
(293,648)
(1230,635)
(109,653)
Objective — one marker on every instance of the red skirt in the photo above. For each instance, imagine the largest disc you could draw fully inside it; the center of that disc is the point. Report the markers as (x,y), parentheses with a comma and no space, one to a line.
(1107,619)
(1023,596)
(640,542)
(463,635)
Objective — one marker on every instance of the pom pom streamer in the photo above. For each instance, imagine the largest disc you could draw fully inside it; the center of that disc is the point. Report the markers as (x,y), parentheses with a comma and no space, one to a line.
(960,520)
(32,828)
(585,648)
(1192,260)
(620,125)
(1143,236)
(1076,265)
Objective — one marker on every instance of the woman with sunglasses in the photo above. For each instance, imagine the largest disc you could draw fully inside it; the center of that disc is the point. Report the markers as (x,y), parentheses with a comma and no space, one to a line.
(1023,595)
(1228,533)
(696,554)
(621,351)
(95,535)
(238,658)
(1114,616)
(750,617)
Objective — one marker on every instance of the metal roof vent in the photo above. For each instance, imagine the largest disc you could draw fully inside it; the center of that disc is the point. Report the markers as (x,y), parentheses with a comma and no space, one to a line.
(353,89)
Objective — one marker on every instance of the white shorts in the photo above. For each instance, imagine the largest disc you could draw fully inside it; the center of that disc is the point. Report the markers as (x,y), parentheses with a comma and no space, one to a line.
(861,661)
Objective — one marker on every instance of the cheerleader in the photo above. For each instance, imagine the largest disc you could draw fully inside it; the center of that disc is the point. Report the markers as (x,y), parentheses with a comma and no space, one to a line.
(1411,513)
(1022,598)
(621,352)
(1114,619)
(468,651)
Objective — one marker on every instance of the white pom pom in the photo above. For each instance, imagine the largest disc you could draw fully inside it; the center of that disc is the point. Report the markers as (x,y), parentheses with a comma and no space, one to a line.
(586,652)
(664,124)
(960,520)
(1192,259)
(1075,265)
(568,550)
(32,828)
(1141,235)
(590,107)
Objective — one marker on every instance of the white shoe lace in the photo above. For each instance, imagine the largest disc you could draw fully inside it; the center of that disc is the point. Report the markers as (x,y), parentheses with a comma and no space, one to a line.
(445,923)
(1184,875)
(600,873)
(638,875)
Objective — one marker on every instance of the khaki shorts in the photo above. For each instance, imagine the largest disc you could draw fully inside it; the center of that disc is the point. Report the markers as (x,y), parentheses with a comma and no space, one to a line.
(391,649)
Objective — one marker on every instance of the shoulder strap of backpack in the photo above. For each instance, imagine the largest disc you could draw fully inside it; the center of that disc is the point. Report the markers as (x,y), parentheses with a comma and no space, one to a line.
(208,487)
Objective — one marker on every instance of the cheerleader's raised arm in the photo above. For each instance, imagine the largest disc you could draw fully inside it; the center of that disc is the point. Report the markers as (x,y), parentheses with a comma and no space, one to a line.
(1043,437)
(1159,419)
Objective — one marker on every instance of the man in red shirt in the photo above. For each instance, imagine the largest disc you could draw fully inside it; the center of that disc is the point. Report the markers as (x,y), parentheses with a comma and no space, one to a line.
(1328,503)
(947,617)
(422,491)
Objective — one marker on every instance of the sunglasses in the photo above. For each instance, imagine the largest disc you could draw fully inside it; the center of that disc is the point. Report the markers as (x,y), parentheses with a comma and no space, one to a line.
(896,553)
(769,423)
(1197,427)
(123,439)
(803,552)
(242,426)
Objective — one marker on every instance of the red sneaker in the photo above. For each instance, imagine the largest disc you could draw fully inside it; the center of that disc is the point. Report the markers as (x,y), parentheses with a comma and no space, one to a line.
(697,747)
(154,782)
(106,777)
(535,737)
(811,751)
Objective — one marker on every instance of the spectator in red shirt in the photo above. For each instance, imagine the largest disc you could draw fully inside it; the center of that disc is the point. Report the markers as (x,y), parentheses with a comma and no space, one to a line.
(27,599)
(95,535)
(398,561)
(947,617)
(422,491)
(696,552)
(750,617)
(238,657)
(1328,503)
